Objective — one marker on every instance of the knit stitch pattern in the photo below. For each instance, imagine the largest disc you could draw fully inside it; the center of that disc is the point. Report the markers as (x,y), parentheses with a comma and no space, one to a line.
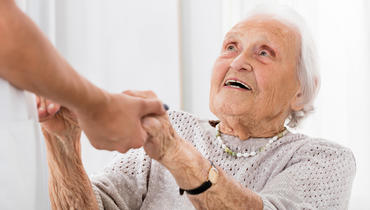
(295,172)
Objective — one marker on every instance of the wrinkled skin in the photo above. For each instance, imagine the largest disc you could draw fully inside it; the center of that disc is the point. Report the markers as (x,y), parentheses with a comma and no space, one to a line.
(262,53)
(162,138)
(60,121)
(69,185)
(56,120)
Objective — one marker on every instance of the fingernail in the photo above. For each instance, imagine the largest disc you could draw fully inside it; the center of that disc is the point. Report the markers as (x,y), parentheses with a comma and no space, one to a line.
(165,106)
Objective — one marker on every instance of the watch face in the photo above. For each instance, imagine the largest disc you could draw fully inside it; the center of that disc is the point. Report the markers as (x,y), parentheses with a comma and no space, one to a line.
(213,175)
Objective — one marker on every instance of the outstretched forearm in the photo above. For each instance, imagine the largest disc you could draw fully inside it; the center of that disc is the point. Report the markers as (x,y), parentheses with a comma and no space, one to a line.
(29,61)
(69,185)
(190,169)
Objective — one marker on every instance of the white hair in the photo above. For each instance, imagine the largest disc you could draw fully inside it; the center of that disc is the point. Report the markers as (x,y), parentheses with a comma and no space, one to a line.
(307,68)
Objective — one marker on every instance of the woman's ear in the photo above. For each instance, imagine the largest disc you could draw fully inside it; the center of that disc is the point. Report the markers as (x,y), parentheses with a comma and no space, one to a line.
(297,101)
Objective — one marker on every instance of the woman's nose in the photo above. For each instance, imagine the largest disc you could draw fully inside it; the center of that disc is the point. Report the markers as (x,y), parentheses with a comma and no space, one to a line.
(240,63)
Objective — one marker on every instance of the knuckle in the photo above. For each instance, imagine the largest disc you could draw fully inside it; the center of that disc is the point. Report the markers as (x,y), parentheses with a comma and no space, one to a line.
(122,150)
(136,145)
(97,145)
(129,92)
(150,93)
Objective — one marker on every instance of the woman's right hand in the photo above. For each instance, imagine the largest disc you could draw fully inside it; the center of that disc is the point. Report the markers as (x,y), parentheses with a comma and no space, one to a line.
(69,185)
(56,120)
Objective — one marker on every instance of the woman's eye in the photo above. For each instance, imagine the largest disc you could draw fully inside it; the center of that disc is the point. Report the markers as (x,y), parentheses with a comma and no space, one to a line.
(230,47)
(263,53)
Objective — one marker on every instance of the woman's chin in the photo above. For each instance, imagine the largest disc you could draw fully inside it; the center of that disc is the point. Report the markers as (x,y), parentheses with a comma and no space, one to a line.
(226,109)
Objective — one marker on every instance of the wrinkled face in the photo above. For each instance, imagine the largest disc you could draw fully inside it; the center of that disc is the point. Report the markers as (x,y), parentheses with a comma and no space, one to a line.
(255,75)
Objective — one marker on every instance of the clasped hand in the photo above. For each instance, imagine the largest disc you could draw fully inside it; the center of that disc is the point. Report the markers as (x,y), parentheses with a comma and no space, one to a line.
(152,131)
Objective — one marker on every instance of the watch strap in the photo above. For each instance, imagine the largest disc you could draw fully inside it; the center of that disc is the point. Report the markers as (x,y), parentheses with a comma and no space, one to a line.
(205,186)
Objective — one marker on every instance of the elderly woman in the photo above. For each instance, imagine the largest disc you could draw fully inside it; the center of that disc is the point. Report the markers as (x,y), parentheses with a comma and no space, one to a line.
(264,78)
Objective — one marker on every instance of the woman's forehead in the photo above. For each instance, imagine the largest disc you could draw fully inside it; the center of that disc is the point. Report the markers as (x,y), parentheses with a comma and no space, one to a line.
(263,25)
(267,29)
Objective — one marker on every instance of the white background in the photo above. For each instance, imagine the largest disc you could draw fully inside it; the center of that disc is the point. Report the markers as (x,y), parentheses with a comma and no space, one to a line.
(118,45)
(169,46)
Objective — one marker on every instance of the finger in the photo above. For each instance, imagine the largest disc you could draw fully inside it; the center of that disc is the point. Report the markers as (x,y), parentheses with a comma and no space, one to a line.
(141,94)
(47,109)
(151,125)
(150,94)
(42,110)
(129,92)
(151,106)
(52,108)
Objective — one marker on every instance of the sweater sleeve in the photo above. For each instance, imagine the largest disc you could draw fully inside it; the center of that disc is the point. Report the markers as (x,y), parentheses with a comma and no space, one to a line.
(318,176)
(123,183)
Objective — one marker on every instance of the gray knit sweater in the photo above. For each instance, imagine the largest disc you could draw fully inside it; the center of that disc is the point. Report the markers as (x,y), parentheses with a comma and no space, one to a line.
(295,172)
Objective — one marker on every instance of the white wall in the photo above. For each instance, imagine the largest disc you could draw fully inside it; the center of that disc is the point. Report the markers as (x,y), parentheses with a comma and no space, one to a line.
(202,37)
(118,45)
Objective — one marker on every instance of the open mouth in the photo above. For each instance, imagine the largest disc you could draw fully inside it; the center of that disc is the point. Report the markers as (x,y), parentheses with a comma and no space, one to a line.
(236,84)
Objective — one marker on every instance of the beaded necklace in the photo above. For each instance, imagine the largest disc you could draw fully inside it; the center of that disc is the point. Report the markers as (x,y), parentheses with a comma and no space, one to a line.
(246,154)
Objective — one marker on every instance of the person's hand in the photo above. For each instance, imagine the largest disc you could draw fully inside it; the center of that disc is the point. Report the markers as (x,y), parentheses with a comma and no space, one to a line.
(56,120)
(116,124)
(46,109)
(162,138)
(163,142)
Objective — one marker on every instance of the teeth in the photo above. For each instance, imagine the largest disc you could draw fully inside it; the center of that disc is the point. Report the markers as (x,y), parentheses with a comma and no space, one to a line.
(234,83)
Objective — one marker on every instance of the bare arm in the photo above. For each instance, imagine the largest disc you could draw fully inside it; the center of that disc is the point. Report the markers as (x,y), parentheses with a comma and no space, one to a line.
(29,61)
(69,185)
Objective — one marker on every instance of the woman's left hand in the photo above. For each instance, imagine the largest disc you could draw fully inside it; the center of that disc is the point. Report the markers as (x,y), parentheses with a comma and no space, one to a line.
(162,141)
(162,138)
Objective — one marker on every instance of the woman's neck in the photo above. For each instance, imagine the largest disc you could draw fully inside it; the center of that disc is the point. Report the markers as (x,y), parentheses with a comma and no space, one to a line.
(246,129)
